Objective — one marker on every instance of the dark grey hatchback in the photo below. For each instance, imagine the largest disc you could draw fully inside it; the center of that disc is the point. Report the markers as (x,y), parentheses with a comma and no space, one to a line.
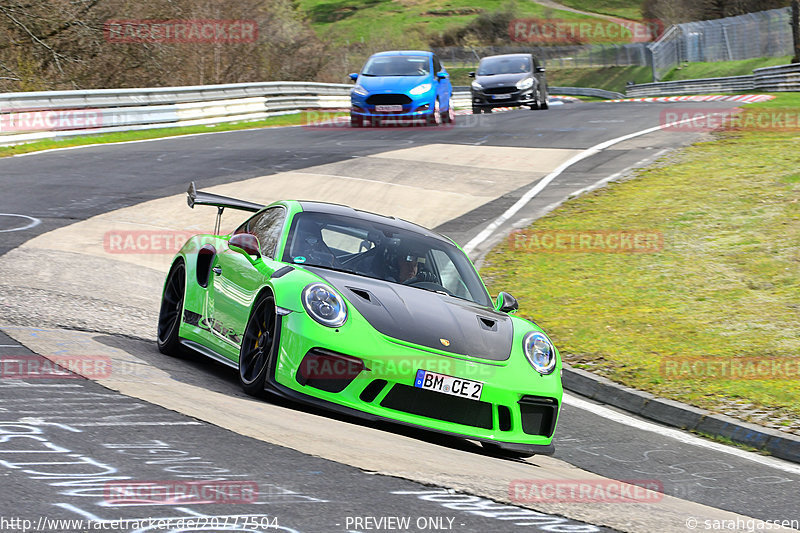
(510,80)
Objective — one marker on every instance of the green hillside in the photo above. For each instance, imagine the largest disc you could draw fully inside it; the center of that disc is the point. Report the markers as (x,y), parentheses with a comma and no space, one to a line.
(414,23)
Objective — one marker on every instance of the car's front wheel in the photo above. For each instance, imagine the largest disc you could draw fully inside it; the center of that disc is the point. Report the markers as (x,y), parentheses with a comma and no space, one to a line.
(435,118)
(356,121)
(537,100)
(449,116)
(169,316)
(258,346)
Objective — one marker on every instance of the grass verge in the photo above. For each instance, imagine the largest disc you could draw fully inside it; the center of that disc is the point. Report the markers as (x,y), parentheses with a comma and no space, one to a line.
(627,9)
(719,69)
(104,138)
(725,286)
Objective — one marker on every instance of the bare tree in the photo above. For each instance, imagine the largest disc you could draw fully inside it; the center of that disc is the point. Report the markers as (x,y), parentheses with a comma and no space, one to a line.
(62,44)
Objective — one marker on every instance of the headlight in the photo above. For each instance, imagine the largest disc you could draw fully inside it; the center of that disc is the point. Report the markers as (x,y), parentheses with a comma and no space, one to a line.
(540,352)
(420,89)
(476,86)
(324,305)
(527,83)
(359,90)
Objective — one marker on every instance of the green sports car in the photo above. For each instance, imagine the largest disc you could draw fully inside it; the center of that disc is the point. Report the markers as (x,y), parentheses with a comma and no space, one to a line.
(362,314)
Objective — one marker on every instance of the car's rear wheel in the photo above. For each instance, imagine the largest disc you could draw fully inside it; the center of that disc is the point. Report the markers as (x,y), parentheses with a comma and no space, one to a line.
(257,348)
(435,118)
(169,316)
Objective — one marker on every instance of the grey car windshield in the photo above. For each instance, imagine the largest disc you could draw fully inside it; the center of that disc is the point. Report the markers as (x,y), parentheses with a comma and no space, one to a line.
(397,66)
(504,65)
(385,252)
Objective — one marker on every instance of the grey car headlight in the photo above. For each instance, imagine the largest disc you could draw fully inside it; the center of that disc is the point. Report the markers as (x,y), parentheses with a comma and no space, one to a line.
(477,86)
(324,305)
(540,352)
(527,83)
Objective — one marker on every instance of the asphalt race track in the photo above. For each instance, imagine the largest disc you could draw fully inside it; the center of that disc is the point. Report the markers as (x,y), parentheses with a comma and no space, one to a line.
(66,290)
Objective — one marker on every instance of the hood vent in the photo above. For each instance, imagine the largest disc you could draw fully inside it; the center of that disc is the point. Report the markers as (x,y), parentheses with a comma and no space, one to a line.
(487,323)
(361,293)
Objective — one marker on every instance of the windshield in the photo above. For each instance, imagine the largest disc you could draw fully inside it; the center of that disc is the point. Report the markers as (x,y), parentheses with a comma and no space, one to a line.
(491,66)
(396,66)
(384,252)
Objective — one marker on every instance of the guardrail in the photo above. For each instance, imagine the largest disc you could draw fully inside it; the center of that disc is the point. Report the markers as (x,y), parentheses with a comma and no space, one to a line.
(30,116)
(767,79)
(778,79)
(585,91)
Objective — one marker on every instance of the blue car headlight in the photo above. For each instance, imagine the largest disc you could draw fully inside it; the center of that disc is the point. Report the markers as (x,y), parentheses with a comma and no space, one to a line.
(527,83)
(420,89)
(324,305)
(360,91)
(540,352)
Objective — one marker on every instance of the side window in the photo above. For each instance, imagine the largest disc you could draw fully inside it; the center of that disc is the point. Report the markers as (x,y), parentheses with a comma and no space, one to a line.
(249,223)
(448,273)
(267,228)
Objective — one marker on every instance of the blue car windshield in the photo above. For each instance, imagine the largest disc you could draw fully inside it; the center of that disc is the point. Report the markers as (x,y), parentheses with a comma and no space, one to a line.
(491,66)
(397,66)
(383,251)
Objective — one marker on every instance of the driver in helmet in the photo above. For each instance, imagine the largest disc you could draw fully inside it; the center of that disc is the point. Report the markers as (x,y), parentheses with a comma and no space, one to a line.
(411,268)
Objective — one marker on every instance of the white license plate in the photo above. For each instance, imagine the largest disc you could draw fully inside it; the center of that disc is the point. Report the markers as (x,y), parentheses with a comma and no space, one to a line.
(501,96)
(388,108)
(463,388)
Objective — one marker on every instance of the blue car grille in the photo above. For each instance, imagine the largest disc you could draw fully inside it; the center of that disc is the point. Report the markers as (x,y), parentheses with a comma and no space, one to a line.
(388,99)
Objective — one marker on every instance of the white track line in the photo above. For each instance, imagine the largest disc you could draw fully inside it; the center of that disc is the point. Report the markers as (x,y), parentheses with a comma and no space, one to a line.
(544,182)
(679,435)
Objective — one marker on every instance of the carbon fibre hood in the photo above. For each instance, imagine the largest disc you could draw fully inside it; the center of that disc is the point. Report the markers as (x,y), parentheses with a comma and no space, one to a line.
(424,317)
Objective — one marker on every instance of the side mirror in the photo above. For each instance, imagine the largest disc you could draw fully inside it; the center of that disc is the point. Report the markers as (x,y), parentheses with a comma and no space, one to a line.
(471,74)
(353,76)
(442,75)
(506,303)
(541,69)
(245,243)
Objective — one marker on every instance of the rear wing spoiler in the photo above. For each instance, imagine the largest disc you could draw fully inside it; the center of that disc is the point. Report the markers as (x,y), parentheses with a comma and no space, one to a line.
(195,197)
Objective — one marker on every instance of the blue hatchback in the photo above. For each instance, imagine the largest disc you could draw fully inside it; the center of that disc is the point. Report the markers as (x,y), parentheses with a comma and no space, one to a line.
(401,85)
